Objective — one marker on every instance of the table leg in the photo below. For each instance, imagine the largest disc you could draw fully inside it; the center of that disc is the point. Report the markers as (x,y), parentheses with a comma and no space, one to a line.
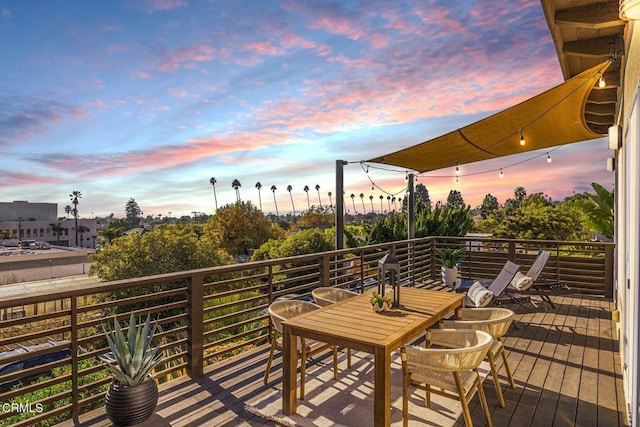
(382,388)
(289,371)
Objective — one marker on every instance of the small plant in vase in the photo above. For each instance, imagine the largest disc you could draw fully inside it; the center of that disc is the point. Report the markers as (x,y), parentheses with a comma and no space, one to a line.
(133,394)
(379,302)
(449,258)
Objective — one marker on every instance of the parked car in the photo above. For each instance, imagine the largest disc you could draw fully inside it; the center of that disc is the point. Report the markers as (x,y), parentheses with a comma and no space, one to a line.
(42,359)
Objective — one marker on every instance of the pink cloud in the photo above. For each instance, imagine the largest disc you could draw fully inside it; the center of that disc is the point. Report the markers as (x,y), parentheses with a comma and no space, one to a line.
(152,6)
(187,56)
(18,179)
(194,149)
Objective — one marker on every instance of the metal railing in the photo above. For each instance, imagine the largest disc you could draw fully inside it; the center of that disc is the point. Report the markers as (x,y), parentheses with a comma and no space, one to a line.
(209,314)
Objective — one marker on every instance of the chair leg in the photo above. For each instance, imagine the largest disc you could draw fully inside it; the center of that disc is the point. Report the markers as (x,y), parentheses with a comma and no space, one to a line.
(463,401)
(270,360)
(349,358)
(406,381)
(496,380)
(507,367)
(483,399)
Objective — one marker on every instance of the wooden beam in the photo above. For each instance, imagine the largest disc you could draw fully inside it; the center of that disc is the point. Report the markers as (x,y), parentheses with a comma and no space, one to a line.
(600,109)
(595,47)
(595,15)
(603,96)
(599,129)
(599,119)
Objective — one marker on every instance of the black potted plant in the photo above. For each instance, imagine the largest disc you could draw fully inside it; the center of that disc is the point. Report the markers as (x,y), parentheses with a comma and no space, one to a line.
(449,258)
(133,394)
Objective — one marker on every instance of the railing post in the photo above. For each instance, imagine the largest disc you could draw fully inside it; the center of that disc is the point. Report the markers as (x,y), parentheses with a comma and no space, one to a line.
(75,394)
(325,270)
(512,251)
(434,274)
(608,271)
(195,327)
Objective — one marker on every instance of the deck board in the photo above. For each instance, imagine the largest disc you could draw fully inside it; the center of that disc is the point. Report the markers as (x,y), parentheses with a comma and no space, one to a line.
(565,362)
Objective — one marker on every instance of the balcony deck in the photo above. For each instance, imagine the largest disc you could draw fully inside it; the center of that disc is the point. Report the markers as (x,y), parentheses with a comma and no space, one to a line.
(566,367)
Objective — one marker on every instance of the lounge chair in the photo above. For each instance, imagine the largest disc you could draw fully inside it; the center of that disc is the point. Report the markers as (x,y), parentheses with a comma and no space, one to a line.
(539,286)
(481,293)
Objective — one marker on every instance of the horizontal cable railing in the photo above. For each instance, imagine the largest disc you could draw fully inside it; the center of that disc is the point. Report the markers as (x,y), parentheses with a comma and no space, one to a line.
(209,314)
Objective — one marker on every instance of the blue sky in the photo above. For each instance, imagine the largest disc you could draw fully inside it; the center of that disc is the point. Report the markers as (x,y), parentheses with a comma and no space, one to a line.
(149,99)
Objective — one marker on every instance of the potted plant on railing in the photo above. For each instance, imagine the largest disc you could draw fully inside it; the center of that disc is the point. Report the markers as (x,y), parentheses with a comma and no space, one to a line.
(133,394)
(449,258)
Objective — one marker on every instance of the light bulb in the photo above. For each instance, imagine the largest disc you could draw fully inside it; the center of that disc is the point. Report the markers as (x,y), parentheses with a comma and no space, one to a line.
(457,170)
(521,138)
(601,82)
(548,158)
(457,178)
(501,174)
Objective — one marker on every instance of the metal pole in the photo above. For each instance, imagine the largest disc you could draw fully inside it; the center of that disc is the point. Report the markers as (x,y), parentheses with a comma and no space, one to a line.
(340,203)
(411,208)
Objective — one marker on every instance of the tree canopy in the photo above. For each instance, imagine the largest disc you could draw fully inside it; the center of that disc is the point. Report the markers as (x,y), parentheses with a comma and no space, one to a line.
(241,227)
(165,249)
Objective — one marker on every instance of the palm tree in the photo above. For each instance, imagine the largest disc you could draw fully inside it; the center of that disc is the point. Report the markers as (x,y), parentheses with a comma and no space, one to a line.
(213,181)
(364,210)
(273,190)
(67,210)
(330,201)
(75,199)
(381,199)
(393,200)
(289,188)
(319,200)
(371,200)
(353,201)
(306,190)
(56,228)
(236,186)
(389,202)
(259,186)
(81,229)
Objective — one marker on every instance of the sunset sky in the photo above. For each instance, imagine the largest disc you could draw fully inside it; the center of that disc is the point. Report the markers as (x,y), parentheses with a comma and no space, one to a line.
(149,99)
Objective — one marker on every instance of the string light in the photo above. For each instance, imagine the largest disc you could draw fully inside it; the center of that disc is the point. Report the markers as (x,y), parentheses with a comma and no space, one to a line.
(601,82)
(522,142)
(457,175)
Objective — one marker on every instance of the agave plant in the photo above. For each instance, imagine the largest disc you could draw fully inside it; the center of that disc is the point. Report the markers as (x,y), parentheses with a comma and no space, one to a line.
(133,353)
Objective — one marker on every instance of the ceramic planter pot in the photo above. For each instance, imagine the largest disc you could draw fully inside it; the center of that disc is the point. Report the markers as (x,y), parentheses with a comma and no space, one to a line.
(449,276)
(131,405)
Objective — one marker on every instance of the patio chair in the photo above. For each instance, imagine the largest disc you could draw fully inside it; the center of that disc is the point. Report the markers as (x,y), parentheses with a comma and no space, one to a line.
(481,293)
(450,371)
(539,286)
(495,321)
(279,312)
(325,295)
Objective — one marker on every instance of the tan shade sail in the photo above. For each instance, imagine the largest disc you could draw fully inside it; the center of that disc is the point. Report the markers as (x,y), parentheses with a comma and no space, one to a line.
(555,117)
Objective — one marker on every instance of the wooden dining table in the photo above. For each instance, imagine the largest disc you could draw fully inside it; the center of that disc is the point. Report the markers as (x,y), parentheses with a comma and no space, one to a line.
(353,324)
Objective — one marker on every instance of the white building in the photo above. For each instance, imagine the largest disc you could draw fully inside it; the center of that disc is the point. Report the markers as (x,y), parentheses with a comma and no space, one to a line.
(38,222)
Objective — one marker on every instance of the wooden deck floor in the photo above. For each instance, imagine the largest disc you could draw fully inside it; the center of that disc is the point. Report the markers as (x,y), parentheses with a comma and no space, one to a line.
(566,366)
